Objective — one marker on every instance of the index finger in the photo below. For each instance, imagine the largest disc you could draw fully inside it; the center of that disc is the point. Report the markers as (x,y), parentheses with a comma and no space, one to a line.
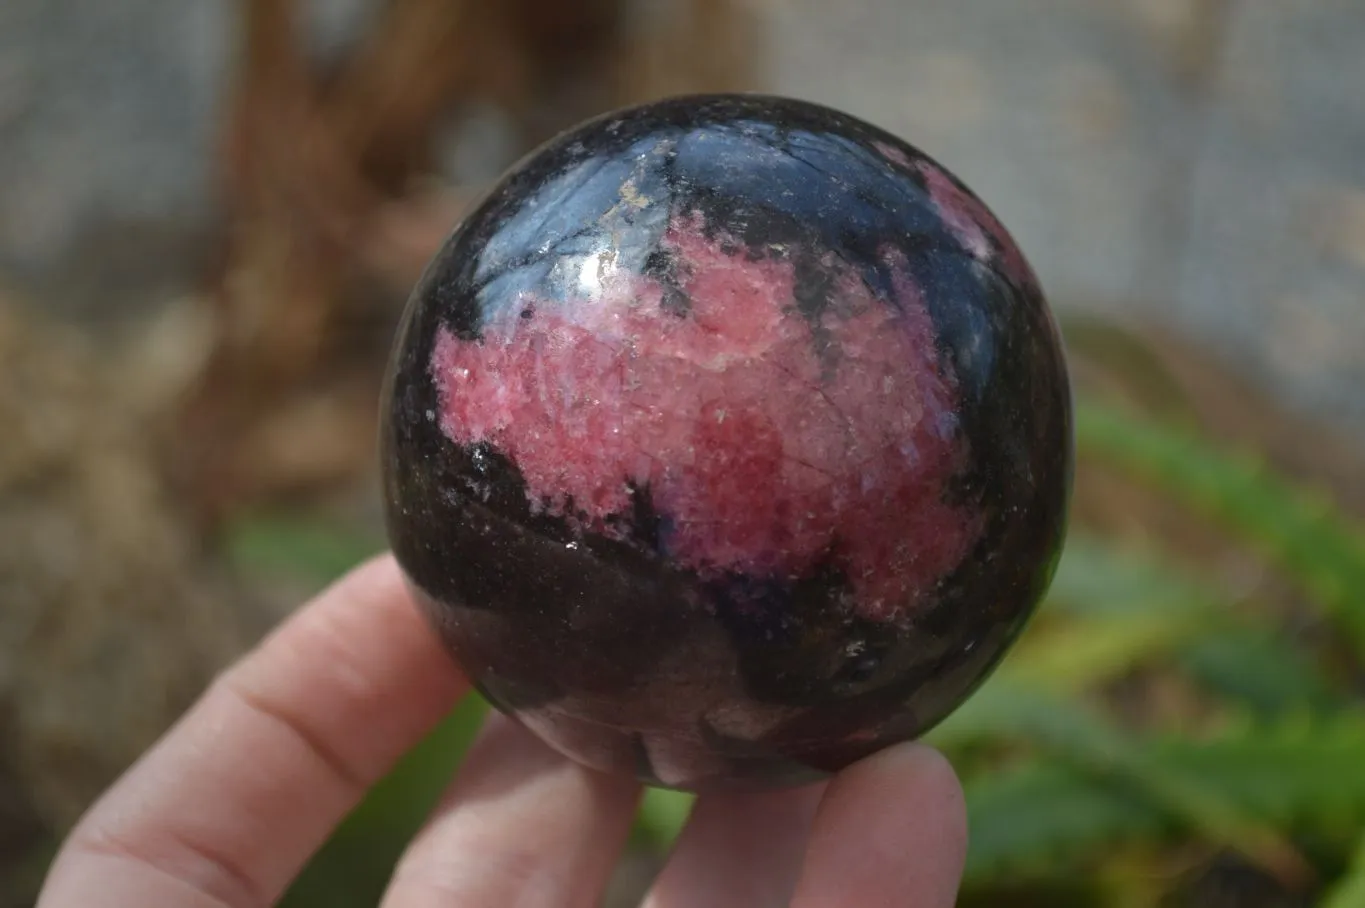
(229,805)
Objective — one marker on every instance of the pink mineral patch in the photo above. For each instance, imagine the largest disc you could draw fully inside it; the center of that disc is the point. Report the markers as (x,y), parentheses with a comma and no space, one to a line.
(760,452)
(892,153)
(971,221)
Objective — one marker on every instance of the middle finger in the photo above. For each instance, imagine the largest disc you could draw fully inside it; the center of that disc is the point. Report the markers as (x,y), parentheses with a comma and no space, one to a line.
(739,851)
(520,825)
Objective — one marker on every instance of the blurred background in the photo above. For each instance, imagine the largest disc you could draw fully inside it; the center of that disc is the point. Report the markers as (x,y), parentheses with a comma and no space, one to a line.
(211,213)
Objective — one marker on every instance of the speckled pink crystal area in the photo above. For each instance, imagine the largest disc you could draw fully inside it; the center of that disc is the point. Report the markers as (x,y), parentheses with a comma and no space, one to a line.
(764,454)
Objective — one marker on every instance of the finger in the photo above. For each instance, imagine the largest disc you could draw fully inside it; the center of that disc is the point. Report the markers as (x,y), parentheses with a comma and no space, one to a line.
(738,851)
(891,831)
(230,804)
(520,825)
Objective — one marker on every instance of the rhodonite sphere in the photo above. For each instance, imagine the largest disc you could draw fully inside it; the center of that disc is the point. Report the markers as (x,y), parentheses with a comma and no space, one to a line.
(726,441)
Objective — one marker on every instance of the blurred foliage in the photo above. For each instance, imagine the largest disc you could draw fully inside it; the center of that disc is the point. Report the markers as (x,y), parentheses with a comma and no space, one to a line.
(1071,773)
(1181,723)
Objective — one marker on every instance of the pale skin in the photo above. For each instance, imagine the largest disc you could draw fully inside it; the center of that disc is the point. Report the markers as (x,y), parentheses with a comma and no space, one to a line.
(225,810)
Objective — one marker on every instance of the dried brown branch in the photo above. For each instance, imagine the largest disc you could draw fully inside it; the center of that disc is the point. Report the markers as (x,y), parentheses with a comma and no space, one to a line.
(326,184)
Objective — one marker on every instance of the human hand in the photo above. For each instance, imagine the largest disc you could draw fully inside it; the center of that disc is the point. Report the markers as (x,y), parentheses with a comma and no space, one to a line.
(225,810)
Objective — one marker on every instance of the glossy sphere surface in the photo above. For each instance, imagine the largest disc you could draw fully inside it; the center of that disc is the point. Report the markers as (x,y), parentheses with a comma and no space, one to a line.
(727,441)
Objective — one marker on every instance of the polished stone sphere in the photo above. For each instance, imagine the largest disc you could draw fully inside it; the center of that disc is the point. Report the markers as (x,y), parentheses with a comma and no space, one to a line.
(726,441)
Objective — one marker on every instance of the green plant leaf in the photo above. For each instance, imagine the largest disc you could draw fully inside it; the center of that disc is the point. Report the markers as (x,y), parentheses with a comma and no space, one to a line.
(1095,579)
(1349,891)
(1259,669)
(1081,654)
(1044,818)
(1118,349)
(1316,544)
(307,550)
(662,816)
(1127,608)
(1303,771)
(1108,612)
(1067,730)
(1041,820)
